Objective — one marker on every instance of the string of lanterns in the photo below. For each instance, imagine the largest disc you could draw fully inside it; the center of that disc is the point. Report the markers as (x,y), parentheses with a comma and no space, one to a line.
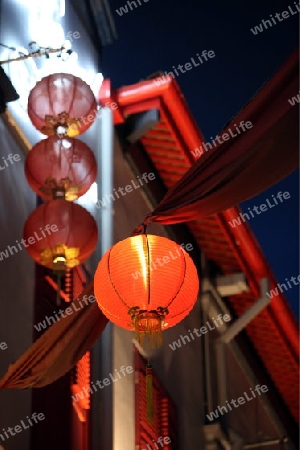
(133,288)
(60,169)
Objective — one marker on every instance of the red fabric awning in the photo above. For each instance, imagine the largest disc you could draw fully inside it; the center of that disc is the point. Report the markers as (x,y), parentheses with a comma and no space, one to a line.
(169,144)
(244,165)
(59,348)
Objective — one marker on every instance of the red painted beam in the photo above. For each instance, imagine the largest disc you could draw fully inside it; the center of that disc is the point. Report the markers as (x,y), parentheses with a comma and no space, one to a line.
(241,239)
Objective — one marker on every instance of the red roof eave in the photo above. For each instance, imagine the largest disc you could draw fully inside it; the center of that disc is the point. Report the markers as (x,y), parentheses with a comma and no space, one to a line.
(167,96)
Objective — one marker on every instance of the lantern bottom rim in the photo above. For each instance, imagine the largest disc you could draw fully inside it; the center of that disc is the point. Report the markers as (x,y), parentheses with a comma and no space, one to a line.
(148,325)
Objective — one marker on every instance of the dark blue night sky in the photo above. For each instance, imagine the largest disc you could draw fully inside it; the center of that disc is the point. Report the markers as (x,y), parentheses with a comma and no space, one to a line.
(160,34)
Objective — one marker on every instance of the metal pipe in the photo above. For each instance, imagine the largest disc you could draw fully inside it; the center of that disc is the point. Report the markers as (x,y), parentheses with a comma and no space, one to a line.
(265,443)
(221,372)
(102,405)
(226,337)
(210,289)
(249,315)
(208,377)
(205,299)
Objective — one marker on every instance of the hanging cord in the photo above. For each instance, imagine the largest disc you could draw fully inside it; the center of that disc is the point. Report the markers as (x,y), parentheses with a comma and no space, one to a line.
(39,52)
(58,298)
(68,283)
(141,229)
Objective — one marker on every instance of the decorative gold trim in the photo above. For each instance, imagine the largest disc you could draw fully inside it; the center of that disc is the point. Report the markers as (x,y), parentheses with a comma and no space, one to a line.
(148,325)
(69,126)
(16,131)
(51,186)
(60,253)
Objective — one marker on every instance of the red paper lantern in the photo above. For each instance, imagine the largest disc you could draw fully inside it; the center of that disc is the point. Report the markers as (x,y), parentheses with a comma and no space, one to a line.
(65,166)
(60,234)
(146,283)
(62,104)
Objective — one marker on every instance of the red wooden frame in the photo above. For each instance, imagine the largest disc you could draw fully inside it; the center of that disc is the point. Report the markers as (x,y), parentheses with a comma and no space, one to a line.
(237,247)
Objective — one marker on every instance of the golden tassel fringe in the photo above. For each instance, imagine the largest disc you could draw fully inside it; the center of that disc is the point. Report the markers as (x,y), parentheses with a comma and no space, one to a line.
(148,331)
(149,339)
(148,326)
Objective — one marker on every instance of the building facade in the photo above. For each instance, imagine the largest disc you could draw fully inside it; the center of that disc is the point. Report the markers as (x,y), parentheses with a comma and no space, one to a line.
(140,129)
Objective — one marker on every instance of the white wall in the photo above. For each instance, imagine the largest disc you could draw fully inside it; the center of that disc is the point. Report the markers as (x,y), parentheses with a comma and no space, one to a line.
(17,201)
(178,370)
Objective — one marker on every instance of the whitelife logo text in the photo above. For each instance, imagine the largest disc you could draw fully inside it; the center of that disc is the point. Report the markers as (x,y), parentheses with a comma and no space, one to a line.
(159,262)
(241,400)
(274,292)
(242,127)
(294,100)
(124,9)
(162,441)
(261,208)
(106,382)
(198,332)
(284,15)
(146,177)
(205,56)
(64,312)
(18,428)
(3,345)
(11,158)
(31,240)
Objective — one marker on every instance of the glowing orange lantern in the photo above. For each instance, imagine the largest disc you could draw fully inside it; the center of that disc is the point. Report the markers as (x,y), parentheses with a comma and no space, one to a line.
(146,283)
(62,104)
(60,234)
(60,166)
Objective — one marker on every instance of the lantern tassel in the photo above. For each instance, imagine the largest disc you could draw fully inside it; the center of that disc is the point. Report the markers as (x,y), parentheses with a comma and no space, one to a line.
(149,339)
(148,327)
(149,392)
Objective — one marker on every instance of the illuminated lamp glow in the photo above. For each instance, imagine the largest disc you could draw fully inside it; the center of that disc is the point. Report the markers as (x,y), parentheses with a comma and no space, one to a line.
(58,6)
(47,33)
(97,83)
(66,143)
(89,199)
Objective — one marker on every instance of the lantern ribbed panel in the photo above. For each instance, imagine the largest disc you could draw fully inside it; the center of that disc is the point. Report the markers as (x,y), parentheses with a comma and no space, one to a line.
(58,93)
(146,271)
(76,229)
(60,159)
